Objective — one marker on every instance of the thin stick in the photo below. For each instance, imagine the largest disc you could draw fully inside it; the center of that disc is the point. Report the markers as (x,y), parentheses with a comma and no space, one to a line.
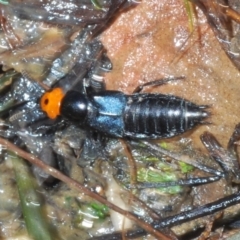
(183,158)
(131,162)
(79,187)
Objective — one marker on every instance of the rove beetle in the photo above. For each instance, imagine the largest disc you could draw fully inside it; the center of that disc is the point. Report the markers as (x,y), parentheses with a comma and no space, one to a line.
(137,116)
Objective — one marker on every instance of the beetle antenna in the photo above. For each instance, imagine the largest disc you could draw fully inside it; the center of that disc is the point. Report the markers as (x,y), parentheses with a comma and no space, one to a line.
(158,82)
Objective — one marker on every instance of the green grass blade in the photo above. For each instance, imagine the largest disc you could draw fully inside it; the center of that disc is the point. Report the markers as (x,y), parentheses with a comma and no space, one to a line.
(190,14)
(31,201)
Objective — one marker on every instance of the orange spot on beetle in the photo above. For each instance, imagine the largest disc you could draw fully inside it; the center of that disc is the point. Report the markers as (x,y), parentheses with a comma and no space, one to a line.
(51,101)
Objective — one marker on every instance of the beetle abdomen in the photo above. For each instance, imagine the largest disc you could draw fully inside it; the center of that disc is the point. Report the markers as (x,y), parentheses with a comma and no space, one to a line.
(160,116)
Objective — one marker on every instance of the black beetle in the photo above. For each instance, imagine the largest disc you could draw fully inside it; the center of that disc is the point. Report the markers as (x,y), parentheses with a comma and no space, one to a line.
(139,116)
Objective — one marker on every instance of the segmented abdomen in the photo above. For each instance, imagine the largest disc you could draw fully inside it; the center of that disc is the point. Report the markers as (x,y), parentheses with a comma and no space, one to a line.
(160,116)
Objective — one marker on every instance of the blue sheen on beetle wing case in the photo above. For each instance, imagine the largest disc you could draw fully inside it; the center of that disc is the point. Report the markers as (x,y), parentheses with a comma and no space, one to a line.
(109,114)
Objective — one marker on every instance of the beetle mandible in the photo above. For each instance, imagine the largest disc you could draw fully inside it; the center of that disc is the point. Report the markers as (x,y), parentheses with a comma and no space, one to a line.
(137,116)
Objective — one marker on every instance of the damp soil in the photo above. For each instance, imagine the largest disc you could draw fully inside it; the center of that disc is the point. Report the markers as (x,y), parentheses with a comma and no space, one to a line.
(154,41)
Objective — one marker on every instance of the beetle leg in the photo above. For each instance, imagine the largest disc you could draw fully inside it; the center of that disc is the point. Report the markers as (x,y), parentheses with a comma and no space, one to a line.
(156,83)
(93,147)
(95,80)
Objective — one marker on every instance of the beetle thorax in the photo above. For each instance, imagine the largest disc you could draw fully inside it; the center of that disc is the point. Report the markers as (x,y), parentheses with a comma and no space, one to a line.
(74,106)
